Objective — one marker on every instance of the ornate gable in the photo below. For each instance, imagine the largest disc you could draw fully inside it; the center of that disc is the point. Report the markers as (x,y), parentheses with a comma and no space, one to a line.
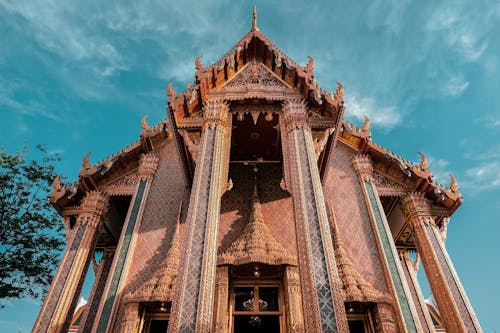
(254,80)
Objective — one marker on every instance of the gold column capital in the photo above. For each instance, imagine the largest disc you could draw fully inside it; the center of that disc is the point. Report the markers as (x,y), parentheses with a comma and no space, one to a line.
(215,112)
(147,166)
(295,114)
(416,208)
(363,166)
(94,206)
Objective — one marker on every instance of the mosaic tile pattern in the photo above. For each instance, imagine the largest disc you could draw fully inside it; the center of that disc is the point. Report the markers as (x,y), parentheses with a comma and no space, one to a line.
(193,264)
(320,271)
(397,279)
(276,204)
(343,191)
(121,254)
(57,288)
(76,291)
(415,297)
(453,284)
(96,295)
(168,196)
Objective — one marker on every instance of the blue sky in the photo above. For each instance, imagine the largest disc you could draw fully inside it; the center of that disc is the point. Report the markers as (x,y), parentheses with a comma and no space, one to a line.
(79,76)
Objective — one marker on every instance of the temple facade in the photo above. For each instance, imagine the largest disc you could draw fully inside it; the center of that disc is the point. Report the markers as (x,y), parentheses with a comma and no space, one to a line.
(256,207)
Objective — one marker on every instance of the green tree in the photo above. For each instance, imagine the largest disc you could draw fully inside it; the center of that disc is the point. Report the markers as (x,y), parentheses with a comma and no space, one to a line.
(30,229)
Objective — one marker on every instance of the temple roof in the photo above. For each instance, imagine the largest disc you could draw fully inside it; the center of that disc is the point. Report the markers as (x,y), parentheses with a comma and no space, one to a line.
(253,47)
(252,61)
(412,177)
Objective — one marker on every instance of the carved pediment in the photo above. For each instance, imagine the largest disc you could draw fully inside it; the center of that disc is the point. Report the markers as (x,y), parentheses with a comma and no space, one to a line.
(122,186)
(387,186)
(255,80)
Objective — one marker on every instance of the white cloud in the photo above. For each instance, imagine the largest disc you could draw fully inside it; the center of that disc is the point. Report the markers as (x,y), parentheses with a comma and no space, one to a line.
(383,116)
(28,107)
(439,168)
(60,28)
(483,176)
(463,30)
(455,86)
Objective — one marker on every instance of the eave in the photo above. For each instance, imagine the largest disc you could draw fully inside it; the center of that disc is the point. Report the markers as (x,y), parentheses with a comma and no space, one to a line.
(413,177)
(113,167)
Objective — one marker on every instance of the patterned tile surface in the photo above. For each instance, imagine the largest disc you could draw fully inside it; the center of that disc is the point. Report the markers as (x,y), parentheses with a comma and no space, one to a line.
(65,267)
(167,191)
(397,279)
(343,191)
(453,285)
(190,291)
(320,270)
(121,256)
(415,296)
(277,206)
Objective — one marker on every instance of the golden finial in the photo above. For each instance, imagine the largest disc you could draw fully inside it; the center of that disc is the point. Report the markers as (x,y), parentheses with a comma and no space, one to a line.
(86,163)
(310,64)
(453,184)
(340,91)
(254,21)
(144,123)
(170,91)
(366,125)
(198,65)
(56,184)
(423,162)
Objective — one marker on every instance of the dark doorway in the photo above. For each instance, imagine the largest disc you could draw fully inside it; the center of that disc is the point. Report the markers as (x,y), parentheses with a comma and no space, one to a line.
(251,324)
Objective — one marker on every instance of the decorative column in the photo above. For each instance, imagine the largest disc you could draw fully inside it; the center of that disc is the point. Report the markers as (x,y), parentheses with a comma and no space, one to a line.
(411,278)
(222,287)
(394,272)
(62,298)
(453,304)
(119,269)
(101,271)
(322,304)
(193,306)
(295,317)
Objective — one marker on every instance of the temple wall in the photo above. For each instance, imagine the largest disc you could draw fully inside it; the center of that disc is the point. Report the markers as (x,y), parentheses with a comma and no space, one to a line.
(168,190)
(343,191)
(277,206)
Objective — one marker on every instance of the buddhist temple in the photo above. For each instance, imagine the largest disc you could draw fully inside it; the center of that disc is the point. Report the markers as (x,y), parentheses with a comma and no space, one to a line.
(254,206)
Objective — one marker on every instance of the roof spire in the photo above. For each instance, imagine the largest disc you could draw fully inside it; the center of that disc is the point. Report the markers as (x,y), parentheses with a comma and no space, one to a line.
(254,21)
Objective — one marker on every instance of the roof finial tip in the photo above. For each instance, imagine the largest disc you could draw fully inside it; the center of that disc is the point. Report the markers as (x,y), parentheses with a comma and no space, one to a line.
(254,21)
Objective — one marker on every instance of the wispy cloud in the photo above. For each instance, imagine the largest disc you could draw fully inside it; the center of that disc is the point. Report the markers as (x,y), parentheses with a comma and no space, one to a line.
(28,107)
(455,86)
(483,176)
(383,116)
(440,169)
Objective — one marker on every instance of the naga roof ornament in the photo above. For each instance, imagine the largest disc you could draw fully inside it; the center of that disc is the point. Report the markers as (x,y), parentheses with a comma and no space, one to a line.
(454,184)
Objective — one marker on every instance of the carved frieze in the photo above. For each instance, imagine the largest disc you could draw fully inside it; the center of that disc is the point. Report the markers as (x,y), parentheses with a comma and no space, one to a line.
(388,187)
(122,186)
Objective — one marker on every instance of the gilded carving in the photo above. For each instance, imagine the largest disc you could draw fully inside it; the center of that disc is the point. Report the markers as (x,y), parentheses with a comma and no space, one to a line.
(147,166)
(363,166)
(160,287)
(256,243)
(58,191)
(86,167)
(321,140)
(416,208)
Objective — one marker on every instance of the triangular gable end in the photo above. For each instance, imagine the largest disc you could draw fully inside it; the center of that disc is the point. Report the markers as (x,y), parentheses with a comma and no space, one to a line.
(252,81)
